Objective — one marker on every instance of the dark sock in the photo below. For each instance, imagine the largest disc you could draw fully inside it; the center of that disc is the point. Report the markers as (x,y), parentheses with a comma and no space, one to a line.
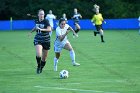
(38,59)
(102,38)
(77,30)
(43,63)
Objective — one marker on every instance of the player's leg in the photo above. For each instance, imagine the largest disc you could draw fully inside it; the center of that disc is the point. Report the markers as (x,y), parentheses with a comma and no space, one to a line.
(45,51)
(57,49)
(77,27)
(38,49)
(56,58)
(43,60)
(101,34)
(72,53)
(97,30)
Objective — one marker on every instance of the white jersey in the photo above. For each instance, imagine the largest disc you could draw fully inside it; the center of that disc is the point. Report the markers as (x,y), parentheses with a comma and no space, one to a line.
(59,45)
(60,32)
(50,17)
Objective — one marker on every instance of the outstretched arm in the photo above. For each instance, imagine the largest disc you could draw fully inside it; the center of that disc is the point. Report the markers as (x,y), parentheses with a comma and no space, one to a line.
(70,28)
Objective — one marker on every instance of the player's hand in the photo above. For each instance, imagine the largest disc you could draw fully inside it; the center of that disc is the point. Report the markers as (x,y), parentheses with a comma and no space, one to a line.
(37,28)
(76,35)
(105,22)
(93,24)
(67,31)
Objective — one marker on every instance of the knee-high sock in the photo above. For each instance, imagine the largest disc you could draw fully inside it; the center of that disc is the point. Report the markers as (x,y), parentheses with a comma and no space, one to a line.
(102,39)
(55,61)
(72,55)
(38,59)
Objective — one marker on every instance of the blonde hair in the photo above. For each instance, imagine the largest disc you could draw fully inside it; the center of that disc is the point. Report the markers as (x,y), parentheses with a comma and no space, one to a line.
(96,7)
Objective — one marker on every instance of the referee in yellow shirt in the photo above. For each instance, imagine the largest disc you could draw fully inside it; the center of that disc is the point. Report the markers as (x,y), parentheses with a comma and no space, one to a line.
(97,20)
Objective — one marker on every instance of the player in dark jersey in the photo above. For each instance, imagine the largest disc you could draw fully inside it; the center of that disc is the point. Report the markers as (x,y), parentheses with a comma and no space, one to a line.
(41,40)
(76,17)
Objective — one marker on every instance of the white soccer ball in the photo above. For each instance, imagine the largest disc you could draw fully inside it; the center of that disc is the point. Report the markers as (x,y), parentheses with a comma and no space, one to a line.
(64,74)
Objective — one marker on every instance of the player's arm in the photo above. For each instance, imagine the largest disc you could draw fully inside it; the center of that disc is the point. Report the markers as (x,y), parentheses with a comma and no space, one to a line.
(34,29)
(30,33)
(70,28)
(103,19)
(61,37)
(48,29)
(93,20)
(139,19)
(72,17)
(54,17)
(80,16)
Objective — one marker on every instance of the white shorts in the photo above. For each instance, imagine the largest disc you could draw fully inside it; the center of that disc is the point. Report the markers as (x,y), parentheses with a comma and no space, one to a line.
(58,46)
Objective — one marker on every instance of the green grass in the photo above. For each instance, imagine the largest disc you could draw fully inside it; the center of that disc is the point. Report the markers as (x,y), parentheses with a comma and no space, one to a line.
(110,67)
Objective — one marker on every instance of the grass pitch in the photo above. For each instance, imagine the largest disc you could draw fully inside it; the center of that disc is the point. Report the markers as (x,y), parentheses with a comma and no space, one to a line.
(110,67)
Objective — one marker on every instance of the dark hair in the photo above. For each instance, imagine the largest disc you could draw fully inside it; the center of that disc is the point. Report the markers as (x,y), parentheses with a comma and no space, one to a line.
(60,20)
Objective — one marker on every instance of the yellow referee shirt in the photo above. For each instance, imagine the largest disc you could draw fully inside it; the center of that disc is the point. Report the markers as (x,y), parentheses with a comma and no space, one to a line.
(97,19)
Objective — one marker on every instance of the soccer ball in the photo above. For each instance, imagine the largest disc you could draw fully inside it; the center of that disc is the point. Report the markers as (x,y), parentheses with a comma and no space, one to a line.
(64,74)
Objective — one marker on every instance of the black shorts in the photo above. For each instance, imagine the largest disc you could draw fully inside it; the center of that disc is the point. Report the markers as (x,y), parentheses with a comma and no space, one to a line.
(98,27)
(45,45)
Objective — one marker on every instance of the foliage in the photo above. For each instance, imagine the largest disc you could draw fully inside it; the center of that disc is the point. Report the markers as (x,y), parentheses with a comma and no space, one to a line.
(109,8)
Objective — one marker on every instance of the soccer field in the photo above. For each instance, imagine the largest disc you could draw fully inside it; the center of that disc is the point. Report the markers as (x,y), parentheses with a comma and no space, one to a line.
(110,67)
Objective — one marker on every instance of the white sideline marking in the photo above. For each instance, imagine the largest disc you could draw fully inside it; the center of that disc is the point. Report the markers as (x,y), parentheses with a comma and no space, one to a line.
(59,88)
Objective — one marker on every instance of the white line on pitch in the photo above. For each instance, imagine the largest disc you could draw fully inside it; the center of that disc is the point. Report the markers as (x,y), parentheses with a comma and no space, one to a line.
(59,88)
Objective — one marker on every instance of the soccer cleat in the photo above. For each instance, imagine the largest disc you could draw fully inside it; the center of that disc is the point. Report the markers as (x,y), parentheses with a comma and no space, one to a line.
(38,70)
(76,64)
(103,41)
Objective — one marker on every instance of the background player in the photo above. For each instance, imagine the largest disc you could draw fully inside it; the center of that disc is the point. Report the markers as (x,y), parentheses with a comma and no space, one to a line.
(76,17)
(62,42)
(139,24)
(50,17)
(97,20)
(64,17)
(41,40)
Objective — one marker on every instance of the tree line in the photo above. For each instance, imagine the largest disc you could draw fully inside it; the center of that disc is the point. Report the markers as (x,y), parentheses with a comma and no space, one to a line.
(110,9)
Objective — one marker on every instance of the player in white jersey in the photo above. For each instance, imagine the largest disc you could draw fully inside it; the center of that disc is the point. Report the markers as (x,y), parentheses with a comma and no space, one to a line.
(62,42)
(139,24)
(50,17)
(64,17)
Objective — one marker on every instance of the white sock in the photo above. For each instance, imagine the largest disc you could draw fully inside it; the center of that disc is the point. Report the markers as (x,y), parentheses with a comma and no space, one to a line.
(72,55)
(55,61)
